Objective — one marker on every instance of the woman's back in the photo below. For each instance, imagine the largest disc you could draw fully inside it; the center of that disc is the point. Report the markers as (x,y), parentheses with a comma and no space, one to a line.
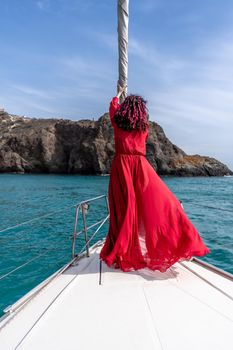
(127,142)
(130,142)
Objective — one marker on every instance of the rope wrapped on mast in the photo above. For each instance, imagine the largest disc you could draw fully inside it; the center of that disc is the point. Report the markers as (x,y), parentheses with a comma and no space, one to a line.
(123,20)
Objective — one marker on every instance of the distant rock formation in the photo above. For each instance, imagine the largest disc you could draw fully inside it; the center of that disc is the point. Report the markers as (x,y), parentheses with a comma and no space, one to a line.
(30,145)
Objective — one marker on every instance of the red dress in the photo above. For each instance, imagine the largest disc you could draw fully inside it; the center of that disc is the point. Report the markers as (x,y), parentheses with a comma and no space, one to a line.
(148,226)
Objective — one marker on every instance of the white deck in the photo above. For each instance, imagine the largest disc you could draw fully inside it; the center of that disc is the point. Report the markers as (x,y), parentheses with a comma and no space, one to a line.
(136,310)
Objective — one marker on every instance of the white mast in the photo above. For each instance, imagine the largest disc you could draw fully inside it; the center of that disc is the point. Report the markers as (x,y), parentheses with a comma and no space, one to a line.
(123,20)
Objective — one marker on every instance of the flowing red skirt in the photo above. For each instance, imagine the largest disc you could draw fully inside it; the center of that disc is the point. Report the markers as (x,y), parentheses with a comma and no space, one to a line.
(148,226)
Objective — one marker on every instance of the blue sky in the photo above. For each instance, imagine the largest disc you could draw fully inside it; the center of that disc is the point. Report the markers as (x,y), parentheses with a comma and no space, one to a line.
(59,59)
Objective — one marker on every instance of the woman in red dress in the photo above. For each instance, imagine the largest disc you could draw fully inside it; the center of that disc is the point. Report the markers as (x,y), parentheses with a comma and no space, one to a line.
(148,226)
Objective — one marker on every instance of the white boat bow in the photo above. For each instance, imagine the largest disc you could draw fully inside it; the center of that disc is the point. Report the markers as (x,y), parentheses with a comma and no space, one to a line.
(188,307)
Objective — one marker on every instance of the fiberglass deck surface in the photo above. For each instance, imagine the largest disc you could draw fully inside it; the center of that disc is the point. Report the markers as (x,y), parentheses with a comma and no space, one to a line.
(134,310)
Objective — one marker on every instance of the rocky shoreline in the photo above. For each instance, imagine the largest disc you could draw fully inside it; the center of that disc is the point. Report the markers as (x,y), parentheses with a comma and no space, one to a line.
(62,146)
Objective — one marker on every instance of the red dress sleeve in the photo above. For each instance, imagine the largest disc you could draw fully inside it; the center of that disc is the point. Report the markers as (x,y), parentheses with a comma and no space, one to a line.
(114,106)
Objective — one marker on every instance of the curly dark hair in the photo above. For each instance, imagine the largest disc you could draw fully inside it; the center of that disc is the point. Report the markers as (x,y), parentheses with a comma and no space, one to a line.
(132,114)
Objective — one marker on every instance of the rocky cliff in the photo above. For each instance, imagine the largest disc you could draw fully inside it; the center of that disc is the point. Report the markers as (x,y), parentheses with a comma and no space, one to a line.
(30,145)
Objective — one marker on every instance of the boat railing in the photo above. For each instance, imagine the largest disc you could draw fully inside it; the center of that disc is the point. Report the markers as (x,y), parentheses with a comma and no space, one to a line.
(83,207)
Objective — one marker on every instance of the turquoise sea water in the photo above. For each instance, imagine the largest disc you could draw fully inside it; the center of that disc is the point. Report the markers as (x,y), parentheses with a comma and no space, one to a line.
(24,197)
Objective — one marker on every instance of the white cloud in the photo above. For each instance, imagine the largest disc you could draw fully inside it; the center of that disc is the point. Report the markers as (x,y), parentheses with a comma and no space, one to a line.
(43,5)
(62,6)
(147,6)
(79,89)
(21,104)
(191,95)
(85,67)
(106,40)
(32,91)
